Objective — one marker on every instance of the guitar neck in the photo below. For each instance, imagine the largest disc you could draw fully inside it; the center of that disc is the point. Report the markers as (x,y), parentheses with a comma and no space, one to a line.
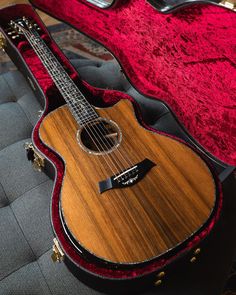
(80,108)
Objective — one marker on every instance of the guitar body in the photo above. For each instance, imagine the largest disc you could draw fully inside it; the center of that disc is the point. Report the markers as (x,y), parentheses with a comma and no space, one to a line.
(138,223)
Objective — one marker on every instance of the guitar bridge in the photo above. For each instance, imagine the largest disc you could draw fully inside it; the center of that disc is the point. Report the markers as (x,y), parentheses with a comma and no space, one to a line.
(127,177)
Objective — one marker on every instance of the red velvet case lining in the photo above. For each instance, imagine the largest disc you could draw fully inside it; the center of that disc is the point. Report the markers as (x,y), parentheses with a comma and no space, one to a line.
(187,59)
(110,96)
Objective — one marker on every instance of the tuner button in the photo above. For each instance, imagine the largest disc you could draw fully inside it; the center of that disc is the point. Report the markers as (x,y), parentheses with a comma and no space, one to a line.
(14,37)
(37,27)
(10,33)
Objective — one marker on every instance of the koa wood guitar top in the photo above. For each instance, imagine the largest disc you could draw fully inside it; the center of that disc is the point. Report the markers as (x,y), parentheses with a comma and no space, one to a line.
(139,222)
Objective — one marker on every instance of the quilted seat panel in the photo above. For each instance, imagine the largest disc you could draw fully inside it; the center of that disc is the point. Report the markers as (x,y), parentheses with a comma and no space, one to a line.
(14,249)
(27,280)
(17,175)
(14,125)
(32,209)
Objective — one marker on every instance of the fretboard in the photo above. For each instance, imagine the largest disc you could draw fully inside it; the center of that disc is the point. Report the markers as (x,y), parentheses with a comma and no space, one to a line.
(80,108)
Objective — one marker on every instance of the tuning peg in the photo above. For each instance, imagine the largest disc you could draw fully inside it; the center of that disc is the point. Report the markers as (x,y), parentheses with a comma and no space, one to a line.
(11,32)
(25,19)
(14,37)
(37,27)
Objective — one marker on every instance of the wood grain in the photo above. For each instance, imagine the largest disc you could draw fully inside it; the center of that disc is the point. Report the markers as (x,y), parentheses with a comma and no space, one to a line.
(137,223)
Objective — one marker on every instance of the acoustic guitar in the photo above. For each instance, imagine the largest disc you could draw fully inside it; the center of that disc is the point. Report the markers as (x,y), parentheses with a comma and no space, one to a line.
(128,195)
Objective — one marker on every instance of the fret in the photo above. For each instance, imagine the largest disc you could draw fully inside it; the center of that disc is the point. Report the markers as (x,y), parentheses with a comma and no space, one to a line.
(80,108)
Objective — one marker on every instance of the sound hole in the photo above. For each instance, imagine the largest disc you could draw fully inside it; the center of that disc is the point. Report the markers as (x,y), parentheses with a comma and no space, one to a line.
(100,136)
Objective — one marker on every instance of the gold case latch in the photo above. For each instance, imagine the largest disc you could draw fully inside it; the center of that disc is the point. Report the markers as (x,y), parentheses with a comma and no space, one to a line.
(57,255)
(2,42)
(230,4)
(37,160)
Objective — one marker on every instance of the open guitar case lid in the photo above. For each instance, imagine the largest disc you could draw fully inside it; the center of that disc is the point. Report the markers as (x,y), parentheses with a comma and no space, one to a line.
(181,69)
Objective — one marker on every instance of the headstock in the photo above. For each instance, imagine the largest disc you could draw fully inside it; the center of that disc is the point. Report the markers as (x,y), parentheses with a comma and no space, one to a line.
(21,26)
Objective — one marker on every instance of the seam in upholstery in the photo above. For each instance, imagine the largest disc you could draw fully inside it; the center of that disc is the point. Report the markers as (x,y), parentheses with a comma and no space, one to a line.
(5,102)
(33,254)
(15,270)
(6,197)
(10,87)
(16,101)
(28,191)
(43,273)
(25,113)
(1,150)
(35,258)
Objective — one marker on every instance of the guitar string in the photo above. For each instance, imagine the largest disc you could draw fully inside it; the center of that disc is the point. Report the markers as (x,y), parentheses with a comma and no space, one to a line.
(95,127)
(64,93)
(102,144)
(48,68)
(97,130)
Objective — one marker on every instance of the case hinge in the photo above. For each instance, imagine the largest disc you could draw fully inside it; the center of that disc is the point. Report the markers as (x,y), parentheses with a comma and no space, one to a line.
(57,255)
(230,4)
(37,160)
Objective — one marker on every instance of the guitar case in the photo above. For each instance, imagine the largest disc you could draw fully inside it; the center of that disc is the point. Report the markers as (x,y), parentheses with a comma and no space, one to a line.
(181,79)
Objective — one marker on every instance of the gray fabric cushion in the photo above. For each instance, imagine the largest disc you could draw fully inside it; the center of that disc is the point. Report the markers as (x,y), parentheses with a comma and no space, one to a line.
(15,250)
(16,173)
(27,280)
(14,125)
(32,209)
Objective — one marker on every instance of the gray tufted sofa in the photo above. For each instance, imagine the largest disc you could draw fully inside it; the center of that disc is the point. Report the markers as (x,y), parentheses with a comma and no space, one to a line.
(26,235)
